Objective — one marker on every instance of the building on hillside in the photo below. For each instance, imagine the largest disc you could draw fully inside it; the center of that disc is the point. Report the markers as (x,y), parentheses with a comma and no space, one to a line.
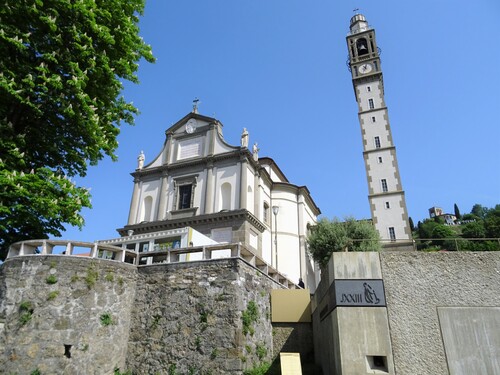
(449,219)
(225,193)
(385,189)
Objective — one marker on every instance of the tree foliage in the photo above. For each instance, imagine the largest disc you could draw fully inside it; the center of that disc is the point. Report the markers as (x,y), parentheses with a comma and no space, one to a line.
(457,211)
(412,226)
(479,231)
(333,236)
(492,222)
(474,230)
(479,211)
(62,64)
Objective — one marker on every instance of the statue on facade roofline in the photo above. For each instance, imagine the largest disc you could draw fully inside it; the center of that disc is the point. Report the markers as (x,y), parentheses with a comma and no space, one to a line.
(140,160)
(255,151)
(244,138)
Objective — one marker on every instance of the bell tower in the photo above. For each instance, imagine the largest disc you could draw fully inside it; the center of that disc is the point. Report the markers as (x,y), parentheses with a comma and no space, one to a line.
(385,190)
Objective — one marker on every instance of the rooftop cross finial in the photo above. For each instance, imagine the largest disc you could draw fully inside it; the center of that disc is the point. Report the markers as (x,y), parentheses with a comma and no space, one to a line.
(195,105)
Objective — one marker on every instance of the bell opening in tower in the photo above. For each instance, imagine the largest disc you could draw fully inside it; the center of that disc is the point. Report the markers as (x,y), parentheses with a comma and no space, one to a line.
(362,46)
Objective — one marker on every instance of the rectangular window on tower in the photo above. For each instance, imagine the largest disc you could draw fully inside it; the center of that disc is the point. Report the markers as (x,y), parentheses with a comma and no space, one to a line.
(374,119)
(392,234)
(380,159)
(387,205)
(377,142)
(370,103)
(368,88)
(383,182)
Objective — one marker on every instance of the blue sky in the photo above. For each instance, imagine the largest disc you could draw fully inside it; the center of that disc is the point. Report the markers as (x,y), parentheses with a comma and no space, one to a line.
(278,68)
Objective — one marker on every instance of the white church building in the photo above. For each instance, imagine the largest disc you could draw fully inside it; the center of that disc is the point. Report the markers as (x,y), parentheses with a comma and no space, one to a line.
(222,194)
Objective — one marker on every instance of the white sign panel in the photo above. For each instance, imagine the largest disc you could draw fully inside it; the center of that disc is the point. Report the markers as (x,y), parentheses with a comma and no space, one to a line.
(189,148)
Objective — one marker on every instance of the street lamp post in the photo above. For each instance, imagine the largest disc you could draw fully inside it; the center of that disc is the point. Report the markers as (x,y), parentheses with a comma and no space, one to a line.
(276,209)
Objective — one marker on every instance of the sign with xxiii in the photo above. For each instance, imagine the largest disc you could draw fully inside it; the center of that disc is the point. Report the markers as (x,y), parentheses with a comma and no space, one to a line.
(359,293)
(353,293)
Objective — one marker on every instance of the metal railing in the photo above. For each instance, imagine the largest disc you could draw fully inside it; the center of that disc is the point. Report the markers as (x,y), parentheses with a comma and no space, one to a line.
(438,244)
(457,244)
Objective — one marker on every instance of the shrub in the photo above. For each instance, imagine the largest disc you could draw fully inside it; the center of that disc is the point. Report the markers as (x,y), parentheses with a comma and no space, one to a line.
(26,309)
(328,236)
(52,295)
(261,351)
(214,354)
(249,317)
(91,277)
(258,370)
(51,279)
(106,319)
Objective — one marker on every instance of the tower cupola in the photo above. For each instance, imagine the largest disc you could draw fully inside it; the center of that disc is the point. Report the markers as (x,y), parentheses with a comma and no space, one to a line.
(358,23)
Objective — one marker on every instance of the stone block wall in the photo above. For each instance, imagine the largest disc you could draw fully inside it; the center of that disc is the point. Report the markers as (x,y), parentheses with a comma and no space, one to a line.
(294,338)
(75,315)
(189,318)
(64,315)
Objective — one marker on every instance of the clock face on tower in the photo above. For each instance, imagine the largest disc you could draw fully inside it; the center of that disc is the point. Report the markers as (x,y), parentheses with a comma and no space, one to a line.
(365,68)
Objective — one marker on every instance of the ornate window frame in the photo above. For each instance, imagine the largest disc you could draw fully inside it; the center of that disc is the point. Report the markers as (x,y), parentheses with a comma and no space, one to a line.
(184,181)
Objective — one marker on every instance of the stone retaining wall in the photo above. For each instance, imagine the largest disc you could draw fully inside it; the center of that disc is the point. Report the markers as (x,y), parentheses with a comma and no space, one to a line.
(64,314)
(189,318)
(74,315)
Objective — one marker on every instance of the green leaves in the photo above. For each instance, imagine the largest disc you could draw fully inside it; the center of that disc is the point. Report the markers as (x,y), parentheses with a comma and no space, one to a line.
(61,68)
(36,204)
(62,65)
(351,235)
(470,233)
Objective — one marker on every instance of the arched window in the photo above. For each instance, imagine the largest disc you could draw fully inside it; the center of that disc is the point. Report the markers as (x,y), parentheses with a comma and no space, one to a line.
(362,46)
(147,206)
(225,196)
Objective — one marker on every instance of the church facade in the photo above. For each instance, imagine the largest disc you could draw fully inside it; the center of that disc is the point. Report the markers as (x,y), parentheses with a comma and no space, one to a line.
(225,192)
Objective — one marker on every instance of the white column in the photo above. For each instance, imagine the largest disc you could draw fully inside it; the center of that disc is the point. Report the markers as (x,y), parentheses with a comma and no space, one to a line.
(209,190)
(243,182)
(134,204)
(302,237)
(256,200)
(167,155)
(162,207)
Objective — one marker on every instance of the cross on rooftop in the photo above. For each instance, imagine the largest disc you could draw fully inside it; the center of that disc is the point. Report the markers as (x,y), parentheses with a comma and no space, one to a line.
(195,105)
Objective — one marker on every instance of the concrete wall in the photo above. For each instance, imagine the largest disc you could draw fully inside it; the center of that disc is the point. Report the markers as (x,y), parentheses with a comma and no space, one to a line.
(348,338)
(423,291)
(442,314)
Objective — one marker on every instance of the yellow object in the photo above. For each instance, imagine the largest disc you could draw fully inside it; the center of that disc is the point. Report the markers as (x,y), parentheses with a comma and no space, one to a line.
(290,364)
(290,306)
